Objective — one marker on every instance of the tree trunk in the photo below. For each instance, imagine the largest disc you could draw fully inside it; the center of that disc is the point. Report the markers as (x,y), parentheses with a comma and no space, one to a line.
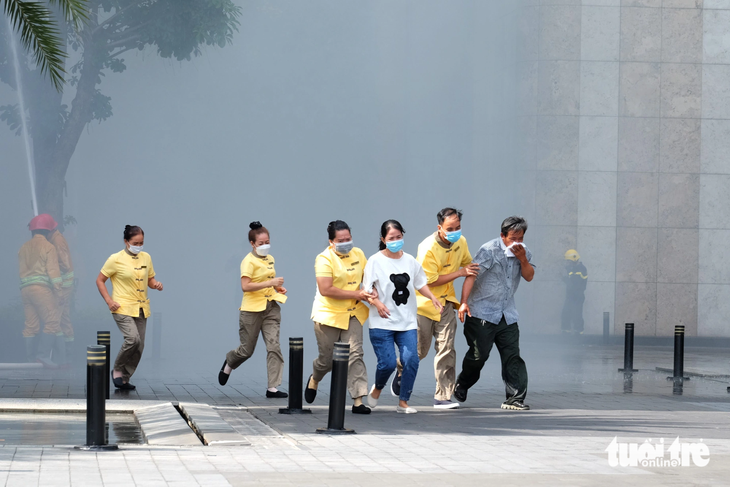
(54,141)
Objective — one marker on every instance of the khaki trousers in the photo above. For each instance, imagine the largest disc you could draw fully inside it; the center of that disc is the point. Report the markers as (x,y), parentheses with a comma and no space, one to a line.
(357,375)
(41,307)
(130,354)
(268,323)
(444,364)
(64,299)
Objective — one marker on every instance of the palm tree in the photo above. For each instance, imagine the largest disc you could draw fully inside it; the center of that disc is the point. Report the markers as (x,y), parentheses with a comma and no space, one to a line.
(39,32)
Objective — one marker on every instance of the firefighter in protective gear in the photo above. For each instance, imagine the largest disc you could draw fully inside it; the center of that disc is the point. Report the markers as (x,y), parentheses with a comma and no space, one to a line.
(67,287)
(576,278)
(40,286)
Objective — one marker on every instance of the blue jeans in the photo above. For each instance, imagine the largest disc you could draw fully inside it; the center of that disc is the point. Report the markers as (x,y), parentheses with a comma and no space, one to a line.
(383,343)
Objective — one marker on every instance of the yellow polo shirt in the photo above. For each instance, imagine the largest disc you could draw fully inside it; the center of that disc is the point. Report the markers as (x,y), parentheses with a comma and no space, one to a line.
(438,260)
(259,269)
(129,275)
(346,272)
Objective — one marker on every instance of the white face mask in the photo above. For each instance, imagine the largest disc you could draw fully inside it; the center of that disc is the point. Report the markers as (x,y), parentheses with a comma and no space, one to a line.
(136,249)
(263,250)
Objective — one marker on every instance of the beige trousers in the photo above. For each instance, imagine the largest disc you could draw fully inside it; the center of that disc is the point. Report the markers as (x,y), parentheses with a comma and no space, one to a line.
(130,354)
(268,323)
(444,364)
(357,375)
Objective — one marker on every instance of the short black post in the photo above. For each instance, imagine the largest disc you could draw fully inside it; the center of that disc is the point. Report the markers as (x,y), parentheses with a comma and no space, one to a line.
(156,337)
(296,372)
(336,418)
(629,349)
(104,338)
(95,400)
(678,354)
(606,335)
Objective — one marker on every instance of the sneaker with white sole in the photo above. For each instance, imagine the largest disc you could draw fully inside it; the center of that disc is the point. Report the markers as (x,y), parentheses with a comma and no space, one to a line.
(372,402)
(445,404)
(515,405)
(408,410)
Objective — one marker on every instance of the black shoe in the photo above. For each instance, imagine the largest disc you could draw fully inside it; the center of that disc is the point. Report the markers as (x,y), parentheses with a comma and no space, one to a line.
(395,385)
(361,409)
(309,393)
(276,395)
(117,382)
(127,387)
(460,393)
(222,376)
(515,405)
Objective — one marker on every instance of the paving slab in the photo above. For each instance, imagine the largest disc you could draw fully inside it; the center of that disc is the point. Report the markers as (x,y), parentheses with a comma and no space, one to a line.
(210,426)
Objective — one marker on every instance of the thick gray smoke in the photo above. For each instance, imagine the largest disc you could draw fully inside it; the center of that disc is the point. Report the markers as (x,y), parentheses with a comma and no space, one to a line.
(320,110)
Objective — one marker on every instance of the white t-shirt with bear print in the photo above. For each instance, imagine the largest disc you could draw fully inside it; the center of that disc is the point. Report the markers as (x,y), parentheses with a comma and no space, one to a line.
(396,281)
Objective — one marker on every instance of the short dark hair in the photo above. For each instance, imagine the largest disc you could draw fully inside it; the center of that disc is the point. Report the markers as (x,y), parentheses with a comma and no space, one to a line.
(514,224)
(388,224)
(256,229)
(447,212)
(335,226)
(132,230)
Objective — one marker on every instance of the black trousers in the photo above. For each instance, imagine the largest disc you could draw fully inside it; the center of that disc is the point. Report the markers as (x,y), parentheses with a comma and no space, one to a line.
(481,335)
(572,316)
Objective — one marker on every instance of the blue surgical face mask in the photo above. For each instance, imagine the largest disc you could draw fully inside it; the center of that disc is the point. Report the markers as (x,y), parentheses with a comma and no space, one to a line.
(453,236)
(394,246)
(136,249)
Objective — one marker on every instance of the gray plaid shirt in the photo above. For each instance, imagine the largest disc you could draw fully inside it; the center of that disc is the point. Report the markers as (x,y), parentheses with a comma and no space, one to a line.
(493,294)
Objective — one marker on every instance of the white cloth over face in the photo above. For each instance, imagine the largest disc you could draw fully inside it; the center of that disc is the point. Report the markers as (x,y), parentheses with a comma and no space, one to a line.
(508,250)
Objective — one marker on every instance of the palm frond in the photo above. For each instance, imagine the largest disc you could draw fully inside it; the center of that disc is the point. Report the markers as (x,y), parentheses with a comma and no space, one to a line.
(40,35)
(74,11)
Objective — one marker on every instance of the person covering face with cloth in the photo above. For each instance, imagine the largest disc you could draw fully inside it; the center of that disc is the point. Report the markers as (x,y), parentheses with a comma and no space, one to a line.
(338,312)
(489,313)
(131,273)
(445,257)
(395,276)
(259,312)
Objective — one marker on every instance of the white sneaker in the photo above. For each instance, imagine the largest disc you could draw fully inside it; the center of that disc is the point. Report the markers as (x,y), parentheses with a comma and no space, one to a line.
(408,410)
(445,404)
(372,402)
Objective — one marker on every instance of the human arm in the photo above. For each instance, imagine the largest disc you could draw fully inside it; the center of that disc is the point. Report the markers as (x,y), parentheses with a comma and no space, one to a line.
(466,271)
(154,284)
(465,292)
(101,286)
(426,291)
(247,286)
(526,269)
(329,290)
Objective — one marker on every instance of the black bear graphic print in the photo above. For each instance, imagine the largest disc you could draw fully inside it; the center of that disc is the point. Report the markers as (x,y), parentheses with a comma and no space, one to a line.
(401,293)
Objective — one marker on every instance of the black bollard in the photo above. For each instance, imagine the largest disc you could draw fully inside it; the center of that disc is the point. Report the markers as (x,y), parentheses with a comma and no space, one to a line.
(336,418)
(678,355)
(629,349)
(296,366)
(96,439)
(606,334)
(104,338)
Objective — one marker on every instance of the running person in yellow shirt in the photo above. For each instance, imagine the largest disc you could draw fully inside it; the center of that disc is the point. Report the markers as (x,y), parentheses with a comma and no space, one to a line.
(445,257)
(132,273)
(259,312)
(338,312)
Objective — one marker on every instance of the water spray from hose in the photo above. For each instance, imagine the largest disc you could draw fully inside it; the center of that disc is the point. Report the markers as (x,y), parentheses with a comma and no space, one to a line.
(23,121)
